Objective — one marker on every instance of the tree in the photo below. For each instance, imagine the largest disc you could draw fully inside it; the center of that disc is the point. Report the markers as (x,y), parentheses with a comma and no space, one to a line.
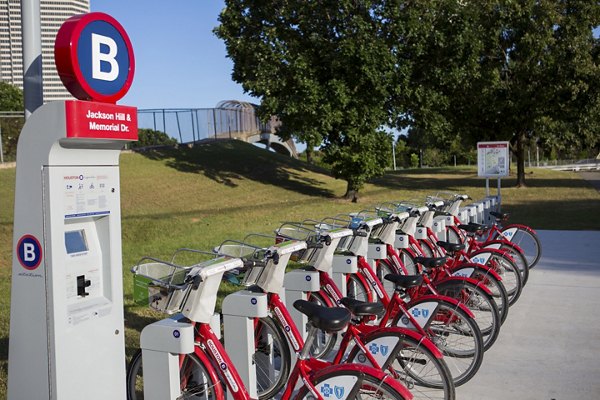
(11,99)
(502,70)
(150,137)
(324,68)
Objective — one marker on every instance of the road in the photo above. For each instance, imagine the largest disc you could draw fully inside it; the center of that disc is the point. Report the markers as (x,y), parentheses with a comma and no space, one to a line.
(549,347)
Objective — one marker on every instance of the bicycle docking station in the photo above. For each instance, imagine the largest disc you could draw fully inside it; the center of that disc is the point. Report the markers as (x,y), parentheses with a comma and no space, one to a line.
(238,310)
(376,251)
(341,266)
(439,227)
(67,336)
(162,342)
(297,284)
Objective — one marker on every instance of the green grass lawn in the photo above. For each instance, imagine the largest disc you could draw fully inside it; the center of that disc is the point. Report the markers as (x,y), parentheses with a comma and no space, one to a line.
(198,197)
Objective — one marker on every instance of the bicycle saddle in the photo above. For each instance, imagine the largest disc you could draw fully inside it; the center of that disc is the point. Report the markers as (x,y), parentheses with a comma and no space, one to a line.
(431,262)
(404,281)
(472,227)
(325,318)
(499,215)
(362,308)
(451,247)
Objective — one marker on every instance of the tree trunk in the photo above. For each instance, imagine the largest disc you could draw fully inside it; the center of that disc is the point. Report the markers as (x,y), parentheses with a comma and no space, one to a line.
(351,193)
(520,154)
(309,155)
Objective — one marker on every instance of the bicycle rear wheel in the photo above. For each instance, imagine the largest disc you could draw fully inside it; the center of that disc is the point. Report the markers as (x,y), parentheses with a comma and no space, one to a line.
(369,387)
(457,336)
(415,366)
(196,381)
(526,239)
(479,302)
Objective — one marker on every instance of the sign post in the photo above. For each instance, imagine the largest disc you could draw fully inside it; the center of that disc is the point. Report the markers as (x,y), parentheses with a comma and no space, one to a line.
(66,322)
(493,161)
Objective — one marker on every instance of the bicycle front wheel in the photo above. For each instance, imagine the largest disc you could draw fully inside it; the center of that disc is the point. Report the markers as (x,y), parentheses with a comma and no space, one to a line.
(272,357)
(196,381)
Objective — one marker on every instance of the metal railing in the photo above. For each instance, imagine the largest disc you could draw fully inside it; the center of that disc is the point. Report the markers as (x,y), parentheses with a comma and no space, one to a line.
(195,124)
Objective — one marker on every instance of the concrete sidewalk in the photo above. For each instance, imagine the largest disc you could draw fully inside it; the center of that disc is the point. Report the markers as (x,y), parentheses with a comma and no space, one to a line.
(549,347)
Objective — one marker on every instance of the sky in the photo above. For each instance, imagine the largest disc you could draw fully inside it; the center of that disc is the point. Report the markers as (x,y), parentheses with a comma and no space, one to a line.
(179,62)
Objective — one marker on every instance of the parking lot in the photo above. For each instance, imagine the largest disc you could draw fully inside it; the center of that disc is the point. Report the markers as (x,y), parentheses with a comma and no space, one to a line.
(549,347)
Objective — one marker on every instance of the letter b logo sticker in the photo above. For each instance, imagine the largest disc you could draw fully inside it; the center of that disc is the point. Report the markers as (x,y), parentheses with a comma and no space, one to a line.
(29,252)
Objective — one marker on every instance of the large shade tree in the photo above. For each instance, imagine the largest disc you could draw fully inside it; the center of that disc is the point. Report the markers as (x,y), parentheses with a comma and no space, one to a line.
(515,70)
(324,68)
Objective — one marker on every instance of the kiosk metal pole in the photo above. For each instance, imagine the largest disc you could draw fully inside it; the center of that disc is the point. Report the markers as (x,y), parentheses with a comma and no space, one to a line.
(32,56)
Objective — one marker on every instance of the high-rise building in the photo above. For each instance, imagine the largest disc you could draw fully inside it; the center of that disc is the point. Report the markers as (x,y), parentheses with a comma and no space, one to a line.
(52,14)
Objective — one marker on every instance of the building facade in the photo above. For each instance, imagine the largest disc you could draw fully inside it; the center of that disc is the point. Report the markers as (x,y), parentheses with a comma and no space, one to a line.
(52,14)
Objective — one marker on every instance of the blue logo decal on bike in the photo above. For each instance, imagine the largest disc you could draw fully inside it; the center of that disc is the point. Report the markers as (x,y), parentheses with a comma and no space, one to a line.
(374,348)
(339,391)
(308,278)
(417,312)
(384,350)
(253,301)
(326,390)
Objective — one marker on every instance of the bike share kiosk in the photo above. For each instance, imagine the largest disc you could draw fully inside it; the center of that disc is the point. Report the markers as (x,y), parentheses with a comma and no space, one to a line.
(66,321)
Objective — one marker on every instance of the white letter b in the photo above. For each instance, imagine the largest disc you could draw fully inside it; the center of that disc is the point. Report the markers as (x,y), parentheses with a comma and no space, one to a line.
(28,252)
(98,57)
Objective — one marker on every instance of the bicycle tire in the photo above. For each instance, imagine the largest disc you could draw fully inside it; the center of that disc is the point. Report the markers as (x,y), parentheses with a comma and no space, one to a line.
(385,267)
(427,247)
(457,336)
(479,302)
(371,387)
(527,240)
(515,252)
(324,341)
(194,367)
(357,289)
(272,357)
(495,286)
(407,257)
(425,375)
(508,270)
(453,235)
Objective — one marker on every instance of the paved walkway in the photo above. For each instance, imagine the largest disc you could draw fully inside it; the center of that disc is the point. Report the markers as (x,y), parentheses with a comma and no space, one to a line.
(592,177)
(549,347)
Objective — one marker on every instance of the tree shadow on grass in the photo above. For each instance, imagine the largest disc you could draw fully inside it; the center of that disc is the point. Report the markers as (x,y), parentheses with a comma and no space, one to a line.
(228,162)
(455,179)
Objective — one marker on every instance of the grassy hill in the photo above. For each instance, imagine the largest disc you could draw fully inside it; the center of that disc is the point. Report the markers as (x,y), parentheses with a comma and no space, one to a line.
(197,197)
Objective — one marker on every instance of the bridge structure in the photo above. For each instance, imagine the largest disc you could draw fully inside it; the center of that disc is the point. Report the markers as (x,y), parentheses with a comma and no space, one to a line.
(230,119)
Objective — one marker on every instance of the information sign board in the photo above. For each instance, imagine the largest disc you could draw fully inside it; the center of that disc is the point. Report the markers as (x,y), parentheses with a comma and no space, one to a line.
(493,160)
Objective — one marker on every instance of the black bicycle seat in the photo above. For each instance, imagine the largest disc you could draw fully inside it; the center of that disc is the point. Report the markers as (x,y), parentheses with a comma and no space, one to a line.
(363,308)
(327,319)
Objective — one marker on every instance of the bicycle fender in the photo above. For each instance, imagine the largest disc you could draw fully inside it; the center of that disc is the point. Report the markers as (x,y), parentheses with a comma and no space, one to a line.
(463,270)
(482,256)
(439,298)
(341,380)
(498,243)
(519,226)
(462,279)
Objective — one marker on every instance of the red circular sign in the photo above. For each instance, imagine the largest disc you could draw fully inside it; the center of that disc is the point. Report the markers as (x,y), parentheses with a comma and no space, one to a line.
(94,57)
